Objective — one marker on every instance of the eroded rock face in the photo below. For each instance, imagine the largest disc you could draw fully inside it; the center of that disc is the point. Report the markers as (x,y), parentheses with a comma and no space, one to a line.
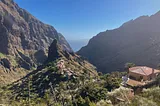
(22,32)
(25,37)
(54,51)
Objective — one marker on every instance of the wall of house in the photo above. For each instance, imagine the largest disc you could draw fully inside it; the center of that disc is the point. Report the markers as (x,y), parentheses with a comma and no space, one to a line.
(138,76)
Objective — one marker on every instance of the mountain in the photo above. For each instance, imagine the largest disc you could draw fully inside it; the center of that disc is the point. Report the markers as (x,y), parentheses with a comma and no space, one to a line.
(136,41)
(24,41)
(67,80)
(62,68)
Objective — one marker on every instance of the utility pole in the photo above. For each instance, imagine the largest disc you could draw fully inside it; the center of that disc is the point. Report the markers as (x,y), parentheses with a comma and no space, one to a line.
(50,84)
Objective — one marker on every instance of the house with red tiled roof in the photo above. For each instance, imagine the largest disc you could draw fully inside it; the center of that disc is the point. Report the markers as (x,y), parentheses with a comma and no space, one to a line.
(141,75)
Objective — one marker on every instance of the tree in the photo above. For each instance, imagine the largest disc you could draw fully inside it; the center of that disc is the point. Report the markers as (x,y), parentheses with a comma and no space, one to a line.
(129,65)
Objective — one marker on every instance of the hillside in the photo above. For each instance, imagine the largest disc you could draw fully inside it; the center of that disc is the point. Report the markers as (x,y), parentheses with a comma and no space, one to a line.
(67,80)
(24,41)
(136,41)
(62,74)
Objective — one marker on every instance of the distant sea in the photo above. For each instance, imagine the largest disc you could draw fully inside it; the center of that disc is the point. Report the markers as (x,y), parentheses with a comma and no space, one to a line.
(78,44)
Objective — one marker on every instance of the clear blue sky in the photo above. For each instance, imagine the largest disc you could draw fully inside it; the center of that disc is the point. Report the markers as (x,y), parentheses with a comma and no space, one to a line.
(79,20)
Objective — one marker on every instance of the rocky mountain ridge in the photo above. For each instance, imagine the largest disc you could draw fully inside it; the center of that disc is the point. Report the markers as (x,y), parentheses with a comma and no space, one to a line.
(24,40)
(136,41)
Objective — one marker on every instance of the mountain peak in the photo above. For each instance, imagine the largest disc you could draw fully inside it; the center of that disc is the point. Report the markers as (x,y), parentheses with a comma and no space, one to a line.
(55,51)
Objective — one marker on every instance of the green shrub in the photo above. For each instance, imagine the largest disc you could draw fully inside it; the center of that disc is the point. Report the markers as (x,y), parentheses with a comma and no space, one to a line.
(141,101)
(93,92)
(152,94)
(2,55)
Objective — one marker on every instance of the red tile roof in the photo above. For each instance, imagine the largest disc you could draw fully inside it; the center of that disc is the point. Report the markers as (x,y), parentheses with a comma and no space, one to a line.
(143,70)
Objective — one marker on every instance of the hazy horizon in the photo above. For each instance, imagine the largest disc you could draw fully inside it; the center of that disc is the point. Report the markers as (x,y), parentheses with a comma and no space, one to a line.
(80,20)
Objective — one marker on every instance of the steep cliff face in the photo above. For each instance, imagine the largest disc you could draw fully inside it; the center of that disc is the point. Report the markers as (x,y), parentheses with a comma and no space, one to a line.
(24,38)
(136,41)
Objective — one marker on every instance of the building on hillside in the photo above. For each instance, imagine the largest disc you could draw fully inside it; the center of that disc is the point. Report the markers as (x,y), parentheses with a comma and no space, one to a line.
(143,73)
(140,75)
(60,64)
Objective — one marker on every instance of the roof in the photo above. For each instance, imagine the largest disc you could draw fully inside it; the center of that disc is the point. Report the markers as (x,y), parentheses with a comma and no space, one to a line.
(132,82)
(143,70)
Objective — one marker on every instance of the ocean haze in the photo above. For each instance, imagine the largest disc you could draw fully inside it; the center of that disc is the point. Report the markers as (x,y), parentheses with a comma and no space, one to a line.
(76,44)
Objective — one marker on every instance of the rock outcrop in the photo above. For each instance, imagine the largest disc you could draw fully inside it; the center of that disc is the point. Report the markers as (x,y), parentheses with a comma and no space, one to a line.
(56,52)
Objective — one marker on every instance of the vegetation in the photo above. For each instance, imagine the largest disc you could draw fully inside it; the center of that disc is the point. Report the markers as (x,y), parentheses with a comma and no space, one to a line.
(129,65)
(2,55)
(47,86)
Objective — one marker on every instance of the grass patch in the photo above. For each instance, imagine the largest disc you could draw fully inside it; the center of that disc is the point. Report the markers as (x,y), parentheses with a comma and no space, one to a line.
(2,55)
(11,58)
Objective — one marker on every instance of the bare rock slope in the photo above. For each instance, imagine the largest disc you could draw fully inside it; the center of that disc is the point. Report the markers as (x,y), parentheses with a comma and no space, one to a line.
(24,40)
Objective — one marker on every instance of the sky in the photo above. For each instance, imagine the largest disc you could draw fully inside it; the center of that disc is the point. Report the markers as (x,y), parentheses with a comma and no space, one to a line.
(80,20)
